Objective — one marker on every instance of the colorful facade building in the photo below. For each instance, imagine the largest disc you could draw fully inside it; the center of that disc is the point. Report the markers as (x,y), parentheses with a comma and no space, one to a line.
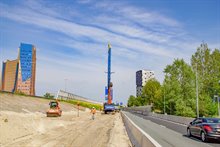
(19,75)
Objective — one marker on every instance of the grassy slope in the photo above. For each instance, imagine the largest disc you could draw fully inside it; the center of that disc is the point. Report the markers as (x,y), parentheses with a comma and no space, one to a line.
(74,102)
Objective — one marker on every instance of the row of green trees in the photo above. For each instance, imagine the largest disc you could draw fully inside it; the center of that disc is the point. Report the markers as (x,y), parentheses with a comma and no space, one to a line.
(177,94)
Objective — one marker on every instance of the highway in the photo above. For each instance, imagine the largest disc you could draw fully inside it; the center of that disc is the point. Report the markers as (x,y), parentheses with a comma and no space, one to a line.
(166,133)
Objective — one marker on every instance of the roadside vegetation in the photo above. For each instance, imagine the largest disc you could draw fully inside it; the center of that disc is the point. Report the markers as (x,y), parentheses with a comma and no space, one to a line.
(84,104)
(48,96)
(75,102)
(178,89)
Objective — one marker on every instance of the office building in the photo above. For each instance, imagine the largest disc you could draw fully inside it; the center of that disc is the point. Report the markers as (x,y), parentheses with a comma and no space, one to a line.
(9,76)
(19,75)
(142,76)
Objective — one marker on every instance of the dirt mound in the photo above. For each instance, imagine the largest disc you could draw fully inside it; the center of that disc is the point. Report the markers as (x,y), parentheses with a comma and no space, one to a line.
(17,103)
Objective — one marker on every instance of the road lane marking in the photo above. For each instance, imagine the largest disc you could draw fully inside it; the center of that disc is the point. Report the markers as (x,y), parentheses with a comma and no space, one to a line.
(143,132)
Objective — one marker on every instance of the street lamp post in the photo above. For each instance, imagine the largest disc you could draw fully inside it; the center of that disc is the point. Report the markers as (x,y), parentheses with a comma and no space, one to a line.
(164,102)
(218,101)
(164,97)
(197,94)
(218,107)
(65,83)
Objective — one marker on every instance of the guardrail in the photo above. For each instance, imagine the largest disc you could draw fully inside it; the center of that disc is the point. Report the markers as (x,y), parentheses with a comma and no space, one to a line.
(173,118)
(146,111)
(137,136)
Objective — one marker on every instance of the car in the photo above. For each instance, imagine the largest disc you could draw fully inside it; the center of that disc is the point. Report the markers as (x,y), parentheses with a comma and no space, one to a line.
(204,128)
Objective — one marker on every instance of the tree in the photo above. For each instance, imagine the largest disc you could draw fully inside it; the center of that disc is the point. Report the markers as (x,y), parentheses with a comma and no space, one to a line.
(207,65)
(152,93)
(133,101)
(179,86)
(48,95)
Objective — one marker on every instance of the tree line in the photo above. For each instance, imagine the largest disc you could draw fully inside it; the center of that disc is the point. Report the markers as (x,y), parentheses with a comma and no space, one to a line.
(177,94)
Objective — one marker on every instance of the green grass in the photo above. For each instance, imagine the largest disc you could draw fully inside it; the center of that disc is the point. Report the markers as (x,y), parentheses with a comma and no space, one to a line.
(84,104)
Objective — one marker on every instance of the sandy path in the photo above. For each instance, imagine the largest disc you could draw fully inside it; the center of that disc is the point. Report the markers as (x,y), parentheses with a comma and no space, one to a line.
(72,131)
(23,125)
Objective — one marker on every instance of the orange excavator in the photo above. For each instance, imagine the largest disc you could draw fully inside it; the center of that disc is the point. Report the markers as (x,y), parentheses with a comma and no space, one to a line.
(54,110)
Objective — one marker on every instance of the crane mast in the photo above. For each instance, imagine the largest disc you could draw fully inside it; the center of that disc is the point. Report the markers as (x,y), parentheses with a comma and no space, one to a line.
(109,106)
(109,76)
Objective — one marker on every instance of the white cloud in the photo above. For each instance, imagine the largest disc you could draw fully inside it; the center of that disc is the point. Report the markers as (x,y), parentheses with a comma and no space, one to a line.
(139,38)
(81,31)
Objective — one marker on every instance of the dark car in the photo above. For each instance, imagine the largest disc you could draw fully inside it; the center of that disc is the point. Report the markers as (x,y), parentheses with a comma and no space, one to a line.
(205,128)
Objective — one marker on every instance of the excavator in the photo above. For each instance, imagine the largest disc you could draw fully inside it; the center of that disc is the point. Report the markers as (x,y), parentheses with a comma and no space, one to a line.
(54,110)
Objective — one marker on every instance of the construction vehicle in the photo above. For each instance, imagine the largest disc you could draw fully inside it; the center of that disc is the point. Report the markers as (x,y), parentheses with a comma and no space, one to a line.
(109,106)
(54,110)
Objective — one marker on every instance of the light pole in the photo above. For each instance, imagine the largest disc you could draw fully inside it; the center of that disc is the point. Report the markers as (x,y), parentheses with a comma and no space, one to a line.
(65,83)
(218,101)
(164,102)
(216,97)
(197,94)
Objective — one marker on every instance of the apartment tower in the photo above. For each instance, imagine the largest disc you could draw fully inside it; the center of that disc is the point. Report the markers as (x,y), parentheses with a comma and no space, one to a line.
(142,76)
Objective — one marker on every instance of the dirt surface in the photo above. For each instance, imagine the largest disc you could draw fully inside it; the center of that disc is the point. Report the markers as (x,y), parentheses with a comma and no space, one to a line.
(15,103)
(23,123)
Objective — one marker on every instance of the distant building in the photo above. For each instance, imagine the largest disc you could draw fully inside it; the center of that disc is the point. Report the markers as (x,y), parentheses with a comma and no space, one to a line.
(19,75)
(142,76)
(9,75)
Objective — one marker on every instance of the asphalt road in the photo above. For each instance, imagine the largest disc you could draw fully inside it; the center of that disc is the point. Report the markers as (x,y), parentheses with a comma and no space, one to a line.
(166,133)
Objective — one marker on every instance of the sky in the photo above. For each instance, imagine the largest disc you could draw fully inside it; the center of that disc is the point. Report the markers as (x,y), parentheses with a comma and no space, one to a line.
(72,36)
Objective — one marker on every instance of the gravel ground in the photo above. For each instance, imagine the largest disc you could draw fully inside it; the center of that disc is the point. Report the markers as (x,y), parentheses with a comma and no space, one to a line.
(23,123)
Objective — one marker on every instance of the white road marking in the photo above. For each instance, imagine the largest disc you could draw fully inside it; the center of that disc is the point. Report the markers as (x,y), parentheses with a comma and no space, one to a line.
(142,131)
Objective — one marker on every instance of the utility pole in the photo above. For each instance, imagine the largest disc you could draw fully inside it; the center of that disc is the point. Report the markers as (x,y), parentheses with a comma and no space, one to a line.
(197,94)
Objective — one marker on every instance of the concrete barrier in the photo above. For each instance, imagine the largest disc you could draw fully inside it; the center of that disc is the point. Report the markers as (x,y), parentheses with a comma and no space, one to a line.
(173,118)
(146,111)
(138,137)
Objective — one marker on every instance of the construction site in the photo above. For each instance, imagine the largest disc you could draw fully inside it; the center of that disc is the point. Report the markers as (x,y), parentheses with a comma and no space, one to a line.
(67,120)
(23,122)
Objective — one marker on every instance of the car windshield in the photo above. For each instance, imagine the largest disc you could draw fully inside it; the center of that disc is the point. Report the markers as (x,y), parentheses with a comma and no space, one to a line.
(212,120)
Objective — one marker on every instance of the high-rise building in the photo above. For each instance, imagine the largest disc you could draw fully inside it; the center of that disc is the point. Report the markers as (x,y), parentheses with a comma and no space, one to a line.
(142,76)
(9,75)
(19,75)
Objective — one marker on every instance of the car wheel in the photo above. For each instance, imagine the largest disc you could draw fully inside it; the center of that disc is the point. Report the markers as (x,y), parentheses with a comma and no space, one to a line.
(189,132)
(203,137)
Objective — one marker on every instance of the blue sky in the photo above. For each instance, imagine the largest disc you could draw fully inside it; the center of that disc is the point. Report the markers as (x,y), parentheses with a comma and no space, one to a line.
(71,38)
